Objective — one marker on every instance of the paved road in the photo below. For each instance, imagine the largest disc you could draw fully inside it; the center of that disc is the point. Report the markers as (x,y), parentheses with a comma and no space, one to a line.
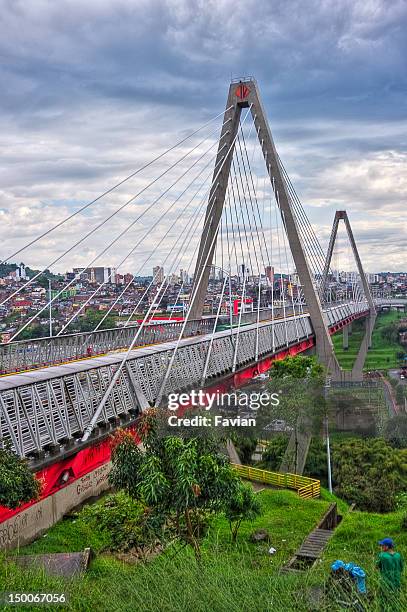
(396,374)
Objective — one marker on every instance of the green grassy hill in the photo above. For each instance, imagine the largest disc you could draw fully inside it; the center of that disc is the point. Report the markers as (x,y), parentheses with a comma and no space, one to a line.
(381,356)
(230,577)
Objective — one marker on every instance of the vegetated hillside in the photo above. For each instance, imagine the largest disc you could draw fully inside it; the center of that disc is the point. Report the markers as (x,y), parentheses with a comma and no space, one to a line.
(237,577)
(6,268)
(382,355)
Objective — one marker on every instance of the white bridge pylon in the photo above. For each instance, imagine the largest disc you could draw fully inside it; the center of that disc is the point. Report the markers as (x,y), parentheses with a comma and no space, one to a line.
(342,215)
(245,94)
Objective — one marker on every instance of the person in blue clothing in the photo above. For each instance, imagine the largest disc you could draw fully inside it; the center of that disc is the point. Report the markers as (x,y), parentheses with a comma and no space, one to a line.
(390,565)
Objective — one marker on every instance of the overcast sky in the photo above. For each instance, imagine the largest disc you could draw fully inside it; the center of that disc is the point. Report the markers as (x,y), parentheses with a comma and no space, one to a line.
(90,90)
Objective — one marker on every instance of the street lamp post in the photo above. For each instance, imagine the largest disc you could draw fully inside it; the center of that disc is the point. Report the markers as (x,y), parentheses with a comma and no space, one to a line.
(50,307)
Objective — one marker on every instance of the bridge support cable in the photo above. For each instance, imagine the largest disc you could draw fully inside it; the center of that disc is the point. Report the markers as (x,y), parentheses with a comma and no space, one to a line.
(272,259)
(208,354)
(230,258)
(239,322)
(203,265)
(113,214)
(116,239)
(282,292)
(147,234)
(193,224)
(254,213)
(237,200)
(111,189)
(310,240)
(309,236)
(289,277)
(115,377)
(195,216)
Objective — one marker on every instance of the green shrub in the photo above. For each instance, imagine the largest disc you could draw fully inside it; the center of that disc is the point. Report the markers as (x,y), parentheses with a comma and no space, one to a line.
(244,505)
(274,453)
(18,484)
(369,472)
(404,522)
(396,431)
(245,447)
(123,519)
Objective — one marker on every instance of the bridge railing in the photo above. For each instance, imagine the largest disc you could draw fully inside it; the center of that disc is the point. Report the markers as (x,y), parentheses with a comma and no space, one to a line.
(28,354)
(50,406)
(31,354)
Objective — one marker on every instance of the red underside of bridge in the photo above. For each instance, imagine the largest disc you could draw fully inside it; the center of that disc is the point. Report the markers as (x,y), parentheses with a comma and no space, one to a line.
(94,456)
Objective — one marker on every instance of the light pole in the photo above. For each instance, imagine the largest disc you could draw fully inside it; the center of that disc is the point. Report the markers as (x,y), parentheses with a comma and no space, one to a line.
(328,456)
(50,307)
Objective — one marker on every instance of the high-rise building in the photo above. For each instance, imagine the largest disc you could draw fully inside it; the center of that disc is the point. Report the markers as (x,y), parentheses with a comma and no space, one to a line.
(269,274)
(128,278)
(158,275)
(243,271)
(183,276)
(98,275)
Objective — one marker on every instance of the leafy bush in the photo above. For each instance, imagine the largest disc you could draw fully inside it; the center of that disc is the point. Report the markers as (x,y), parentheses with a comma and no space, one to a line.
(18,484)
(244,505)
(181,480)
(404,522)
(274,453)
(120,517)
(396,431)
(245,447)
(366,471)
(389,332)
(369,472)
(316,465)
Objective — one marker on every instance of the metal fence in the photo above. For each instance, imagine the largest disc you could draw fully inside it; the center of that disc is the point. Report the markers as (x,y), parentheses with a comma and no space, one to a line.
(305,487)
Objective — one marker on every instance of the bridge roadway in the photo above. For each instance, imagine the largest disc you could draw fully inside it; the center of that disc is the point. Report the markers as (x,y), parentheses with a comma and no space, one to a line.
(41,352)
(384,303)
(44,409)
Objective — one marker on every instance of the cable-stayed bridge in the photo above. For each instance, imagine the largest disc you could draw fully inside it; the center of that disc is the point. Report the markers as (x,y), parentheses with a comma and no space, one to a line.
(233,218)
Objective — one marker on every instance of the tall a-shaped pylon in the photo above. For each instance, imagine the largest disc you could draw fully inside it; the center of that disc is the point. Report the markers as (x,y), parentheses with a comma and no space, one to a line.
(357,368)
(245,94)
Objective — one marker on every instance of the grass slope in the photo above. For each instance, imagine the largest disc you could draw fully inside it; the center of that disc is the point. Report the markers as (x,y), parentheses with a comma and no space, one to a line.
(230,578)
(381,356)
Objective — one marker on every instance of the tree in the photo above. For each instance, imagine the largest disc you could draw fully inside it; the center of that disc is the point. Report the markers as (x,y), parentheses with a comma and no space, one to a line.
(91,320)
(245,446)
(299,366)
(389,332)
(34,331)
(243,506)
(274,452)
(183,481)
(299,382)
(369,472)
(18,484)
(396,431)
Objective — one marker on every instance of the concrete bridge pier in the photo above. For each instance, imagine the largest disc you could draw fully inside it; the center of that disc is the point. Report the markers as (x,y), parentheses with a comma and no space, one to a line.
(345,338)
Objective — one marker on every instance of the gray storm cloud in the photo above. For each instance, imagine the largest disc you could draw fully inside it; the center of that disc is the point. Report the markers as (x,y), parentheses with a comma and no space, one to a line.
(89,91)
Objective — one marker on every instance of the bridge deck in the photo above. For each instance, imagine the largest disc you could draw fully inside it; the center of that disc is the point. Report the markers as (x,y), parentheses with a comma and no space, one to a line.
(11,381)
(44,408)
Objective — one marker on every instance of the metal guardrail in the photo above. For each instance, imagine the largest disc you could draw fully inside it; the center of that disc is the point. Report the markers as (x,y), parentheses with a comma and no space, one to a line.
(41,352)
(37,353)
(305,487)
(47,407)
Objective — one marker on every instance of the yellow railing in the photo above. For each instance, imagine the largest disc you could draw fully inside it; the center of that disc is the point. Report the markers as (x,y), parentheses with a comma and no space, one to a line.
(305,487)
